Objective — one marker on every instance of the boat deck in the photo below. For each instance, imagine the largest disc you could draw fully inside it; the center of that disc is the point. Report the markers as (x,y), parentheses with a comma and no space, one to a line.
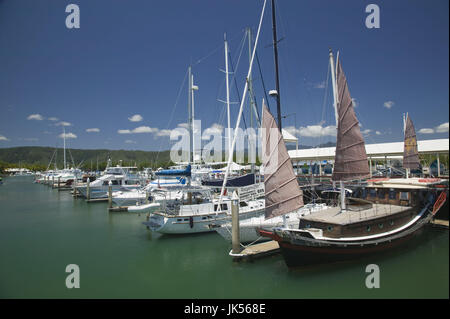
(335,216)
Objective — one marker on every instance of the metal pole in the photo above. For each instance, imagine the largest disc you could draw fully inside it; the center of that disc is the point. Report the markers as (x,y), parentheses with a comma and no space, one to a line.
(438,165)
(88,190)
(236,247)
(275,54)
(110,194)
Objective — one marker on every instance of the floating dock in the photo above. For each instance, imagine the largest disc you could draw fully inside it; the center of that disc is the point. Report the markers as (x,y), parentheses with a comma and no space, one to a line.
(257,251)
(118,209)
(439,223)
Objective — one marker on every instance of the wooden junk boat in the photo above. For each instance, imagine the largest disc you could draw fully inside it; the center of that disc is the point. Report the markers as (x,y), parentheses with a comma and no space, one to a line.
(387,213)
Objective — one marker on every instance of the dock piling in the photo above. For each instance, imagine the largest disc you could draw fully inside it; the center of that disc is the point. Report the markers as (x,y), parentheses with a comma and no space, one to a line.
(236,245)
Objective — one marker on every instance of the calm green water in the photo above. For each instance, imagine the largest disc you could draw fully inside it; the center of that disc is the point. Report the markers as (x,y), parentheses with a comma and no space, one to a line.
(43,230)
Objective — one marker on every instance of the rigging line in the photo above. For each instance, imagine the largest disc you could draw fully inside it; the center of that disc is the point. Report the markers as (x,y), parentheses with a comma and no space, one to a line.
(262,80)
(171,115)
(213,51)
(237,90)
(325,99)
(241,45)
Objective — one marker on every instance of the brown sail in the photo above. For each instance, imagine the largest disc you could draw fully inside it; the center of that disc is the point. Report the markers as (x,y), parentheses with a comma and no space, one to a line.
(282,193)
(410,152)
(351,158)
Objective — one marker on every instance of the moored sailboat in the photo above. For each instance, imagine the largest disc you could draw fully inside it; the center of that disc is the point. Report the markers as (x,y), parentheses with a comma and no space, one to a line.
(359,227)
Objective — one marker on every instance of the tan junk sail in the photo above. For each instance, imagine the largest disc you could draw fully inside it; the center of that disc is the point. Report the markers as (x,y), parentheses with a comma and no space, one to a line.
(282,192)
(351,158)
(410,153)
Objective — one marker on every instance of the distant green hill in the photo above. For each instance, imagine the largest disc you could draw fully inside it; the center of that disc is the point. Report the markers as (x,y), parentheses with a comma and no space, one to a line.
(39,157)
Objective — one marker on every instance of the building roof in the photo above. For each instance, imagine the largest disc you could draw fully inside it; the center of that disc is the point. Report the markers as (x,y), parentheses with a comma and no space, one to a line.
(373,150)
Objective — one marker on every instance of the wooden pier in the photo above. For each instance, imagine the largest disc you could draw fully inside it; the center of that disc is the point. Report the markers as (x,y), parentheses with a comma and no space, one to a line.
(257,251)
(95,200)
(118,209)
(439,223)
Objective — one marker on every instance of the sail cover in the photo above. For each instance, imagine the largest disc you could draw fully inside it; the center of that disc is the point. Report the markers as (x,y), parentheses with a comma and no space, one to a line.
(282,193)
(351,158)
(410,153)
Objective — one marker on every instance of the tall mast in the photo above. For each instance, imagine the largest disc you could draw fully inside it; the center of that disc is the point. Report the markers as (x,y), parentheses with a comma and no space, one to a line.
(190,114)
(193,120)
(250,89)
(275,53)
(64,136)
(228,93)
(334,85)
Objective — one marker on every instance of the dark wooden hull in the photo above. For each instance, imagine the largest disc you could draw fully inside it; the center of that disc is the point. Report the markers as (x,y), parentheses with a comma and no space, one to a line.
(301,255)
(301,251)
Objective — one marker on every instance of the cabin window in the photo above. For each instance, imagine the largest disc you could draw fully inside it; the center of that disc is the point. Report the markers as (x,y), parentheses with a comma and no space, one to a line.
(186,219)
(179,220)
(380,226)
(391,223)
(243,204)
(308,226)
(373,192)
(369,228)
(330,228)
(404,195)
(381,194)
(391,194)
(215,207)
(364,193)
(105,183)
(203,217)
(223,207)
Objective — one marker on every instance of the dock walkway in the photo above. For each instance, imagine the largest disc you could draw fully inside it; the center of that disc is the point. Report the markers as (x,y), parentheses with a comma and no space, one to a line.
(257,251)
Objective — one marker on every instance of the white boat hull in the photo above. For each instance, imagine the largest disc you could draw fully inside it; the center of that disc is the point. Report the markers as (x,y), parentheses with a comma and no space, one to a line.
(248,229)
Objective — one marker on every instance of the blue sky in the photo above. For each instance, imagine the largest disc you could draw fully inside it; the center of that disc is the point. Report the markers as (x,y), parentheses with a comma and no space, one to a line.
(123,69)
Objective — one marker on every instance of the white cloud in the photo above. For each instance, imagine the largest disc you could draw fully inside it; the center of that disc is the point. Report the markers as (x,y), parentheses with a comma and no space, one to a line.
(367,131)
(313,130)
(164,133)
(67,135)
(378,133)
(140,129)
(63,123)
(135,118)
(355,102)
(426,131)
(93,130)
(389,104)
(184,125)
(37,117)
(3,138)
(53,119)
(443,128)
(144,129)
(320,85)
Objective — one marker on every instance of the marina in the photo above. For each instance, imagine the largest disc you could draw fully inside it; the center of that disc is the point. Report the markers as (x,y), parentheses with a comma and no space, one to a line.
(120,258)
(144,203)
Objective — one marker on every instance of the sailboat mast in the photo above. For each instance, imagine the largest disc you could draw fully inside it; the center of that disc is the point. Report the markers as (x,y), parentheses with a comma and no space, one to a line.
(64,136)
(190,114)
(275,53)
(193,121)
(334,85)
(405,117)
(250,89)
(228,93)
(335,97)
